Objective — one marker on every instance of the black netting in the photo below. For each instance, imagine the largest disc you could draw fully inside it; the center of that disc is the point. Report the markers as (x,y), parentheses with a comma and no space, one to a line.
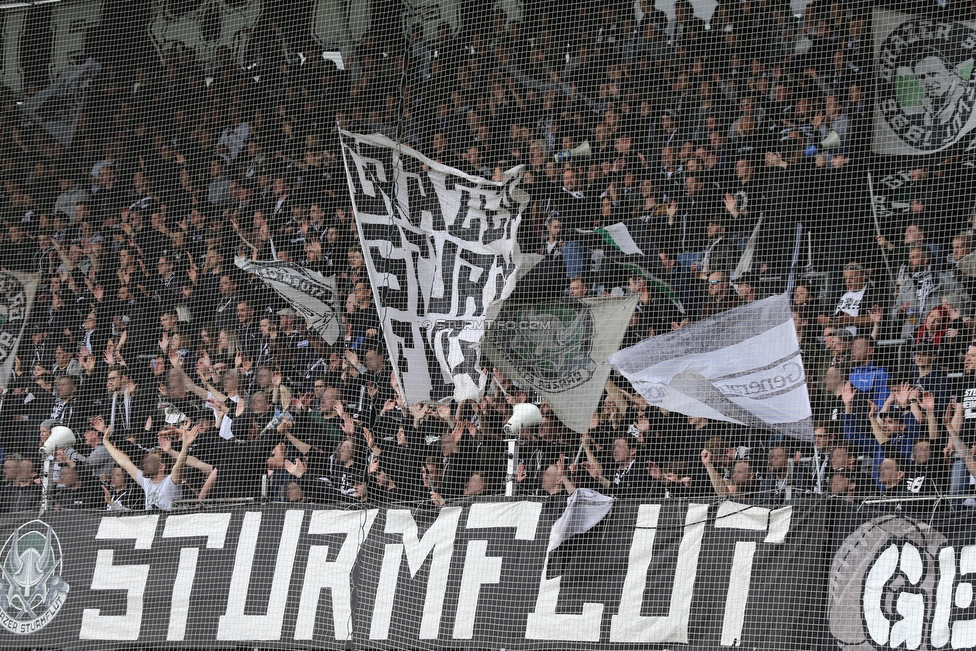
(468,324)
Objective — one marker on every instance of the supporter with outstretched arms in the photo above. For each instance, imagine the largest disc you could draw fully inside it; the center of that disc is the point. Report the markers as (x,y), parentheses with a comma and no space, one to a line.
(161,487)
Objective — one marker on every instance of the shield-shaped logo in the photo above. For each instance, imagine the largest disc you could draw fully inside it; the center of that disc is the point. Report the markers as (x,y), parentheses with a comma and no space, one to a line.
(32,591)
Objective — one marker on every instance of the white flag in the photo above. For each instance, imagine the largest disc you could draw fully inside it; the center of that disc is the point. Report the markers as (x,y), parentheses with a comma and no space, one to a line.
(925,92)
(309,292)
(559,348)
(741,366)
(585,508)
(440,247)
(16,300)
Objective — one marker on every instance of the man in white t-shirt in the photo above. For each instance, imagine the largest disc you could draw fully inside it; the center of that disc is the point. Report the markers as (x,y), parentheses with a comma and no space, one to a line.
(162,488)
(854,308)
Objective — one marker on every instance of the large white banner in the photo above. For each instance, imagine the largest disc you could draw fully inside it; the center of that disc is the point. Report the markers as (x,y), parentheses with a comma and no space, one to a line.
(741,366)
(17,292)
(441,251)
(309,292)
(925,92)
(559,348)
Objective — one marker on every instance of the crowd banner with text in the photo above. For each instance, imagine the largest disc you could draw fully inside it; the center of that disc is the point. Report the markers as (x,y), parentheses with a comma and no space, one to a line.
(478,574)
(309,292)
(440,247)
(925,91)
(17,292)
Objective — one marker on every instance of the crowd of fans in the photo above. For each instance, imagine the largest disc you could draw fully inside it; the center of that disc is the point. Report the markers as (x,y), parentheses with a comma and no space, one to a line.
(185,378)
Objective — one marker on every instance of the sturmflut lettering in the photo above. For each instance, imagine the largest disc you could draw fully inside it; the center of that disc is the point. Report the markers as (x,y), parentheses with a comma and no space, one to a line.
(326,574)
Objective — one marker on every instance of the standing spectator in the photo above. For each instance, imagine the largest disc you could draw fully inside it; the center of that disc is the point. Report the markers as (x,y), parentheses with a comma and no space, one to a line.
(161,487)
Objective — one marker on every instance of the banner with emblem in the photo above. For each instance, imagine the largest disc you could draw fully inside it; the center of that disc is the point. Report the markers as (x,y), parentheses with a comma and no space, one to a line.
(310,293)
(925,91)
(440,247)
(17,292)
(559,349)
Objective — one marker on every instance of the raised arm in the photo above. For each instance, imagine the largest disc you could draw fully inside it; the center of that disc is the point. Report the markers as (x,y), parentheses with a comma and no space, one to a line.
(118,455)
(593,466)
(177,475)
(721,488)
(957,443)
(876,428)
(177,364)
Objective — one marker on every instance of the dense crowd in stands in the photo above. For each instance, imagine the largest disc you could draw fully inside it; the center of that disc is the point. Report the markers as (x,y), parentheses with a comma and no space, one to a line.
(183,377)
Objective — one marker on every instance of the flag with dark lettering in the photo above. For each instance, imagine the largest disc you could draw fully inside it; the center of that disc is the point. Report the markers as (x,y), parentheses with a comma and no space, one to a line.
(440,247)
(17,292)
(310,293)
(741,366)
(925,92)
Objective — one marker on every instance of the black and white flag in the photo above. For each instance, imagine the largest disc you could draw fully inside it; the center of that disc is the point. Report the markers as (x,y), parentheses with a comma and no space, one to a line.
(441,251)
(309,292)
(925,92)
(17,292)
(741,366)
(57,107)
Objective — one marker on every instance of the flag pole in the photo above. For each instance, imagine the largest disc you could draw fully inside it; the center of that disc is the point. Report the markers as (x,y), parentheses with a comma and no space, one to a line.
(877,227)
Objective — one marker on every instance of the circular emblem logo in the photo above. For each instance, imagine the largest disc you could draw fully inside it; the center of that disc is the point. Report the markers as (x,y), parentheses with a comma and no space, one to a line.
(883,580)
(549,344)
(31,589)
(926,90)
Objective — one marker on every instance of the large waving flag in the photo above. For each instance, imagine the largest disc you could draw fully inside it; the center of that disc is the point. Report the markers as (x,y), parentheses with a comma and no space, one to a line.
(741,366)
(440,247)
(559,348)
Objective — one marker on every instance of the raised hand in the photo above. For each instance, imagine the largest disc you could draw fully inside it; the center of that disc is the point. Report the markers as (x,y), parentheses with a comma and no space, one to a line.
(847,394)
(297,468)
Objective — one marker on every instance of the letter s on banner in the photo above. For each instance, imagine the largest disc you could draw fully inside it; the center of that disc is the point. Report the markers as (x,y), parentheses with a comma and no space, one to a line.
(131,578)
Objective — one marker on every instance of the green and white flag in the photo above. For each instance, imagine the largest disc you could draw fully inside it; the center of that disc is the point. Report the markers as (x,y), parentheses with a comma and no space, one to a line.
(616,236)
(559,348)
